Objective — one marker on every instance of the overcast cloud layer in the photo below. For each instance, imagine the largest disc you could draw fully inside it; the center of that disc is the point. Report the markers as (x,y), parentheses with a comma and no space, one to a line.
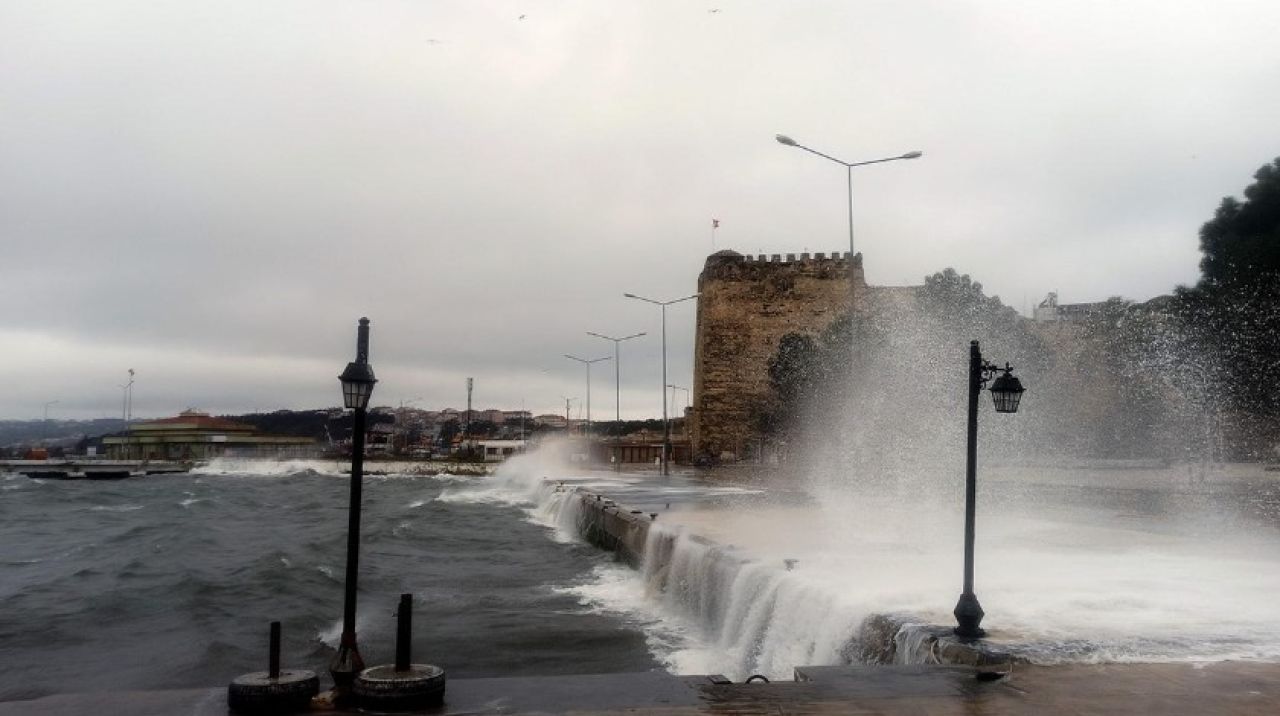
(212,193)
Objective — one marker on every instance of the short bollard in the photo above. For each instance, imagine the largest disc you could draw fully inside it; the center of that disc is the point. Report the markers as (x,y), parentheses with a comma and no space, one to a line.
(403,685)
(273,691)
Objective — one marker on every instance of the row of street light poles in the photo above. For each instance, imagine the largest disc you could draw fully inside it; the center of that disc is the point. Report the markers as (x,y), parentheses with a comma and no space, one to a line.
(617,376)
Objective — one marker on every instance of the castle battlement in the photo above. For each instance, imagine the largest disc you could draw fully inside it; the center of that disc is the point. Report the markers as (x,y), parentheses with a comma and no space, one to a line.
(731,265)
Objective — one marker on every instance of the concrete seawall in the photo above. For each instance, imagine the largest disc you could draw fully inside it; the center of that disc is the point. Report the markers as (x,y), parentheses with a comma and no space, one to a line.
(609,526)
(899,639)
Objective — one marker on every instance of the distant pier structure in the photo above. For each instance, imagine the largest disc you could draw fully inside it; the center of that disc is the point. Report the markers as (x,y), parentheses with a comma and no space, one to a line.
(194,435)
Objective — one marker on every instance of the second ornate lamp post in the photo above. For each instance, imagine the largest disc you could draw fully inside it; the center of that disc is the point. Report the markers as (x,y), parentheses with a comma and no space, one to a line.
(1006,393)
(357,386)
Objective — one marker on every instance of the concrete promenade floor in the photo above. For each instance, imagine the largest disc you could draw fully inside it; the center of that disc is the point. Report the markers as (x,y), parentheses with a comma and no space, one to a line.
(1172,689)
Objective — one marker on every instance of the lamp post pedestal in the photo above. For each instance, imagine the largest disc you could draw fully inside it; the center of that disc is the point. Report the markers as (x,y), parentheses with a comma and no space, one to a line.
(969,614)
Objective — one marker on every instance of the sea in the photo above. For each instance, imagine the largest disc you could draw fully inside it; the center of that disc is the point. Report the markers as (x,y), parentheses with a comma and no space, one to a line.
(171,581)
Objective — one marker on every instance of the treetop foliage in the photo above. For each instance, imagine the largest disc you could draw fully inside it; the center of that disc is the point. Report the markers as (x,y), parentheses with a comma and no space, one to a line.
(1241,244)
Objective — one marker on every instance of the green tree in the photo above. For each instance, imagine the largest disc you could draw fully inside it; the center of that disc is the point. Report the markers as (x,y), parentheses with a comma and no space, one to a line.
(1241,243)
(1233,312)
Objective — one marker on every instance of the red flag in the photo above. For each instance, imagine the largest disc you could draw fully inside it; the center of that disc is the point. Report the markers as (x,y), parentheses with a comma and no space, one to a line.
(715,223)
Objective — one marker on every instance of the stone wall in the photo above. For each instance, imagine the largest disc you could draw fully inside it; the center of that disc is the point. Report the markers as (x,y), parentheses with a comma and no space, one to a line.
(747,304)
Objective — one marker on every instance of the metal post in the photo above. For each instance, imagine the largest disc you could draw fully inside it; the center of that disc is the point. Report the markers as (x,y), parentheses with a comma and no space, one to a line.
(273,658)
(968,612)
(666,425)
(348,662)
(849,172)
(404,632)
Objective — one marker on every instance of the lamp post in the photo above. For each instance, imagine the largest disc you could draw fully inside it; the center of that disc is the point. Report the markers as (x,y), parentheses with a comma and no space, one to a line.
(357,386)
(666,424)
(1006,393)
(848,166)
(617,380)
(45,425)
(587,363)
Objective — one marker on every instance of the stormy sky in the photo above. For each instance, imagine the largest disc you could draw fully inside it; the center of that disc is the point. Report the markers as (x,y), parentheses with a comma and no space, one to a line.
(211,193)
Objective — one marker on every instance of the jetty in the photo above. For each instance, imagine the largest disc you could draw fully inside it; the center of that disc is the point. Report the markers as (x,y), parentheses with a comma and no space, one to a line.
(93,469)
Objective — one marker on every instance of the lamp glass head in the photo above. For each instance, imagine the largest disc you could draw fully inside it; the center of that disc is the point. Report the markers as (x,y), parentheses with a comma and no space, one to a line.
(357,385)
(1006,393)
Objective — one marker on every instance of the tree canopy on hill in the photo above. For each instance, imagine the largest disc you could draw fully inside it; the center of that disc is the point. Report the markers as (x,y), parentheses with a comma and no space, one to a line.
(1233,312)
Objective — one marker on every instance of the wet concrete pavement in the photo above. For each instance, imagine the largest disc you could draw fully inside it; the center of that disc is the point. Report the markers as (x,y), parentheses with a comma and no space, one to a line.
(1174,689)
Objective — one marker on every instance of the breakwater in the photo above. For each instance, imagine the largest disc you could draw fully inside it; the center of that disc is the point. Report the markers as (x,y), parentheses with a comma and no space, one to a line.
(760,616)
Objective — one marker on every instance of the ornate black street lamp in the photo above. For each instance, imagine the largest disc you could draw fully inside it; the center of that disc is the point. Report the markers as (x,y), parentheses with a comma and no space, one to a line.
(1006,393)
(357,386)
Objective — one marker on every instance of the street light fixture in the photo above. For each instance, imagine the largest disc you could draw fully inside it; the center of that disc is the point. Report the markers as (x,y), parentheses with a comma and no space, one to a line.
(587,362)
(788,141)
(357,386)
(617,380)
(1006,394)
(666,423)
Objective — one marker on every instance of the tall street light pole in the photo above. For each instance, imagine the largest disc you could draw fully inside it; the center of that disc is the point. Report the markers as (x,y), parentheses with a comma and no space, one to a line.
(45,425)
(666,423)
(788,141)
(617,381)
(357,386)
(587,362)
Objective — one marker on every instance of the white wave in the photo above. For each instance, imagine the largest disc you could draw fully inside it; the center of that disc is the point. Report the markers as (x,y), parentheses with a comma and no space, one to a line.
(230,466)
(416,504)
(190,501)
(331,635)
(116,508)
(619,591)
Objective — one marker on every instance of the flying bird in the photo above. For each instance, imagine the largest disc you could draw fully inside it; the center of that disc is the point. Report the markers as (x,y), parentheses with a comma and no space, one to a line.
(714,10)
(521,17)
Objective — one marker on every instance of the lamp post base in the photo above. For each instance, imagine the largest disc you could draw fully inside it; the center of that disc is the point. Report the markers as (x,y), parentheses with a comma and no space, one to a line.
(968,617)
(346,665)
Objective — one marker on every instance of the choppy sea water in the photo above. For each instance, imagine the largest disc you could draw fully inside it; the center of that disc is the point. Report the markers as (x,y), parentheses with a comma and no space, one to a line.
(171,581)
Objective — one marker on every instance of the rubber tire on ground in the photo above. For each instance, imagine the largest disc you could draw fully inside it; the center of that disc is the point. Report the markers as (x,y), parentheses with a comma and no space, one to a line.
(385,689)
(258,693)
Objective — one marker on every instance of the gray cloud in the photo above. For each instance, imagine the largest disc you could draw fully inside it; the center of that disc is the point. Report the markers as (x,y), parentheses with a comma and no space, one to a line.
(212,193)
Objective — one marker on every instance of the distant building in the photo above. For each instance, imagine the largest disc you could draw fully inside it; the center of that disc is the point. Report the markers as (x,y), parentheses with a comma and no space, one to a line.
(1050,311)
(550,420)
(499,450)
(193,435)
(493,416)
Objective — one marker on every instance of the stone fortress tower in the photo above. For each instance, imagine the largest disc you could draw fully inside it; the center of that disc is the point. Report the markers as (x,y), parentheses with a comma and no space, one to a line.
(747,304)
